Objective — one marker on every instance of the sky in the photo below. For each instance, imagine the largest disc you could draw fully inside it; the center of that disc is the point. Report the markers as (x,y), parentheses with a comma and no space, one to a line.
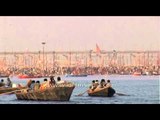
(79,33)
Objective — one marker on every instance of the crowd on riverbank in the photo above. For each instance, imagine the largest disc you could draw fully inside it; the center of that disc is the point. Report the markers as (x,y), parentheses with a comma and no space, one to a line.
(121,70)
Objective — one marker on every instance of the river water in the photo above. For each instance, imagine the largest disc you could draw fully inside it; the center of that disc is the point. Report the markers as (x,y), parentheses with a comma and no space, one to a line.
(141,90)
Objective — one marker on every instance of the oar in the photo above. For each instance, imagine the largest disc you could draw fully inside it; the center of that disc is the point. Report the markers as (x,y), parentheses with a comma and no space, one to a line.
(12,92)
(82,93)
(122,94)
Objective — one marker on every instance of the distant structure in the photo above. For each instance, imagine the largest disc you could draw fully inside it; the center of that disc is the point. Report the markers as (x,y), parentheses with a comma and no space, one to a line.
(90,58)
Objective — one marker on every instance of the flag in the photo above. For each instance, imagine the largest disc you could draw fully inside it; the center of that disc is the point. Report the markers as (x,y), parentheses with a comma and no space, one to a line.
(98,51)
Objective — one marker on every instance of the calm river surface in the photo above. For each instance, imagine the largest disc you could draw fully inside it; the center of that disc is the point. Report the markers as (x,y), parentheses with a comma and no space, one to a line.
(142,90)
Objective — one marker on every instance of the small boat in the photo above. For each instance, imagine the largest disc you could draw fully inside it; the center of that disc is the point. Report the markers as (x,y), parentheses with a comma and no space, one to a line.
(136,74)
(70,75)
(8,89)
(27,76)
(60,92)
(102,92)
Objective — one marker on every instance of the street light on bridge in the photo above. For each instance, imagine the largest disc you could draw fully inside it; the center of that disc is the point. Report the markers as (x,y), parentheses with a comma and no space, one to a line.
(43,43)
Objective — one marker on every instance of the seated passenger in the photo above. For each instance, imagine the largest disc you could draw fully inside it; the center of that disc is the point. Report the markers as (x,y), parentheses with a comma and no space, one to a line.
(102,83)
(32,84)
(96,83)
(37,85)
(9,83)
(59,81)
(44,84)
(2,83)
(108,84)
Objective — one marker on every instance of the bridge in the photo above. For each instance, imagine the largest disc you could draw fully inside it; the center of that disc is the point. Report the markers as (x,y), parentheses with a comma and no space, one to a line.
(79,58)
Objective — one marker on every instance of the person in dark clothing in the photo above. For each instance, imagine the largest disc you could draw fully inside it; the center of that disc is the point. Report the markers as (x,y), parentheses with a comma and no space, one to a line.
(52,82)
(102,83)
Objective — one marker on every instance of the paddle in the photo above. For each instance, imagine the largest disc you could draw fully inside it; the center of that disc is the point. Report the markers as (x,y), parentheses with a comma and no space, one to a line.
(12,92)
(121,94)
(82,93)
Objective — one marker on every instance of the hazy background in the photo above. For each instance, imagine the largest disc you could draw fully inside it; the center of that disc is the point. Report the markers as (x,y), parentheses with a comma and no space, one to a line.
(79,33)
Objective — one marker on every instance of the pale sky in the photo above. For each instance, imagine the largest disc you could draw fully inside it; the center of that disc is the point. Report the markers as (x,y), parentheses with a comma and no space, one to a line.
(79,33)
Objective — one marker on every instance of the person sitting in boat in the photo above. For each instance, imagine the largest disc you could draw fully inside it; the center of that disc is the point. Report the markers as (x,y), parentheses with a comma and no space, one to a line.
(2,83)
(44,84)
(32,84)
(108,84)
(93,86)
(96,83)
(59,81)
(52,82)
(9,83)
(102,83)
(37,85)
(29,82)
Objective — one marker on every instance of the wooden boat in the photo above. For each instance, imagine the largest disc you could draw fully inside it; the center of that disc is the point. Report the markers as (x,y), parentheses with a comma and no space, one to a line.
(60,92)
(7,89)
(70,75)
(102,92)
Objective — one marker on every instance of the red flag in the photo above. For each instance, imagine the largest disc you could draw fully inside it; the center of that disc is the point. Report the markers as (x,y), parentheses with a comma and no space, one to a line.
(98,51)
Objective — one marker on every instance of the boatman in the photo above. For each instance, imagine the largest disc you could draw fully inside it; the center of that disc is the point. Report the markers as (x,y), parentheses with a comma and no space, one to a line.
(52,82)
(93,86)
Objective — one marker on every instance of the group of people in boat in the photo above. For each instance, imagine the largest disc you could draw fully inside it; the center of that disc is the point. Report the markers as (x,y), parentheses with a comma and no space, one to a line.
(36,85)
(32,84)
(7,84)
(103,83)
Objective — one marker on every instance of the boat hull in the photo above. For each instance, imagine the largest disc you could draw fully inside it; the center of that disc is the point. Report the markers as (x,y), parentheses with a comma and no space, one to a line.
(102,92)
(5,90)
(58,93)
(76,75)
